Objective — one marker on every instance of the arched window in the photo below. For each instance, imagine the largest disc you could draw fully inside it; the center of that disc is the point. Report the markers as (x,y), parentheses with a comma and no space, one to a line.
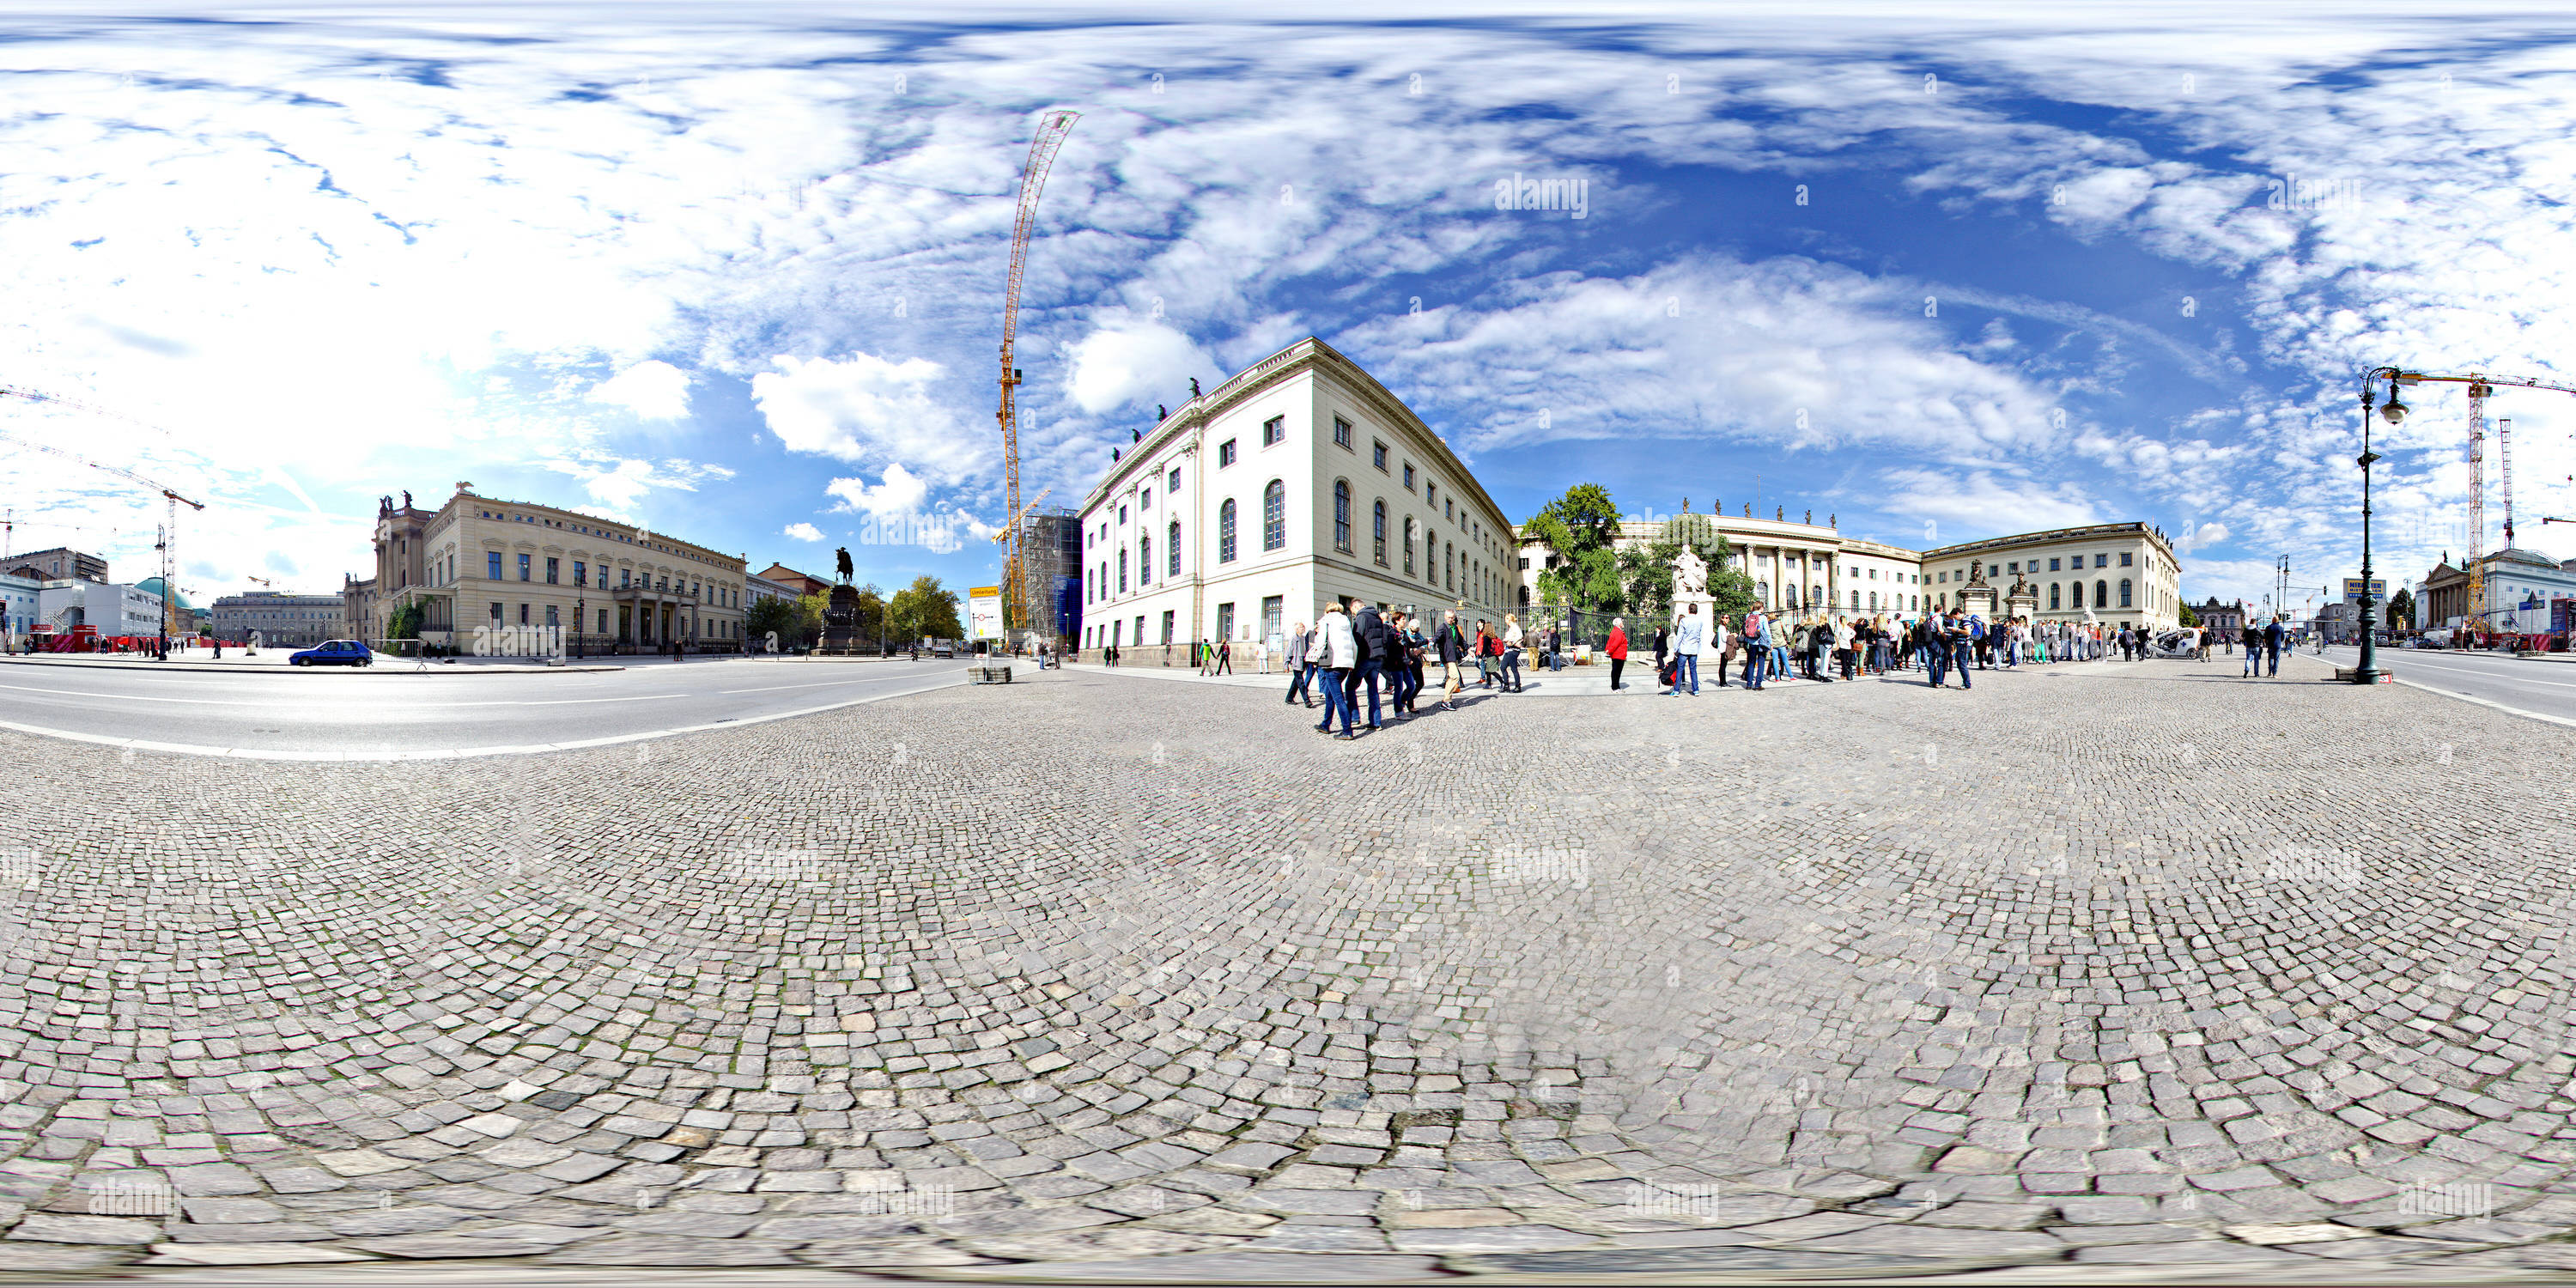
(1408,545)
(1524,596)
(1174,545)
(1856,600)
(1144,560)
(2124,592)
(1342,516)
(1274,517)
(1762,592)
(1449,564)
(1122,570)
(1378,519)
(2101,594)
(2052,596)
(1225,531)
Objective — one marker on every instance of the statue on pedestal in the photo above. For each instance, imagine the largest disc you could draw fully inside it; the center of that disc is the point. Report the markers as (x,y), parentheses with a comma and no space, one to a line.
(1690,574)
(1976,572)
(844,565)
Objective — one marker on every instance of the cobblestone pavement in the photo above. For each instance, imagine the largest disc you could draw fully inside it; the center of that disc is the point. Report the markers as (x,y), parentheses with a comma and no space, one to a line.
(2130,963)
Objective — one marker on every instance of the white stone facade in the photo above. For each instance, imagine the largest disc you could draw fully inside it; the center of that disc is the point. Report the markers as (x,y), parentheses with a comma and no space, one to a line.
(1298,479)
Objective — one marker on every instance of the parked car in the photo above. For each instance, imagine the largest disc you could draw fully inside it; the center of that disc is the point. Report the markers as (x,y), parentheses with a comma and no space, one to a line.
(334,653)
(943,649)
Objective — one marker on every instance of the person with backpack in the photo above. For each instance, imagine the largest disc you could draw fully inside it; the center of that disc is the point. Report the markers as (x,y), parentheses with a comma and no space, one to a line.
(1511,653)
(1340,652)
(1452,648)
(1688,635)
(1757,647)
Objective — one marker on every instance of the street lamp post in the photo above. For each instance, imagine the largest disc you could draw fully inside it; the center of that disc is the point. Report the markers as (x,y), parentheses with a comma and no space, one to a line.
(2368,671)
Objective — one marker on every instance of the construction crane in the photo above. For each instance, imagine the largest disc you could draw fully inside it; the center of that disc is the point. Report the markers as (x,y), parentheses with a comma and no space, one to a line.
(1014,521)
(1050,136)
(2481,387)
(168,543)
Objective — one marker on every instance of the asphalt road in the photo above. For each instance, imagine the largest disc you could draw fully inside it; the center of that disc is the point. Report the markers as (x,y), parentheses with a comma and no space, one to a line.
(332,714)
(2548,688)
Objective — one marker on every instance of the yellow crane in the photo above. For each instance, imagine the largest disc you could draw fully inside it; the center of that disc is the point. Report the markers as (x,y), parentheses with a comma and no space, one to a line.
(1050,136)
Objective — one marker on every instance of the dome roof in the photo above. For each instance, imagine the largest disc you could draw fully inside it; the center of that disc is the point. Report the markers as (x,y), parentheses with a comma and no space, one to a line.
(152,586)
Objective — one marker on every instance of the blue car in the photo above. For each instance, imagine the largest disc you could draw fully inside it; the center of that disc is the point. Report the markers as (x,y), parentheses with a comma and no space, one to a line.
(334,653)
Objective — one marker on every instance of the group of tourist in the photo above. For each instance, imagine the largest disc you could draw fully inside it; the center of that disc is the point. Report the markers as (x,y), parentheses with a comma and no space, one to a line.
(1764,648)
(1354,648)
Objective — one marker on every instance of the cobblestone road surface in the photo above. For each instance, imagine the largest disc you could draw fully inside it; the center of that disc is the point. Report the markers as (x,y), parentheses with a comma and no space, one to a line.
(2111,963)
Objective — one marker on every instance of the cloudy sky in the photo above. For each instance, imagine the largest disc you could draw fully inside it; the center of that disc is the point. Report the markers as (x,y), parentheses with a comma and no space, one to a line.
(733,271)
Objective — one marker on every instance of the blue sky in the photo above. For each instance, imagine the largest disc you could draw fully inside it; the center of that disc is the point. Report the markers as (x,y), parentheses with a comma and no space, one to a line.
(733,270)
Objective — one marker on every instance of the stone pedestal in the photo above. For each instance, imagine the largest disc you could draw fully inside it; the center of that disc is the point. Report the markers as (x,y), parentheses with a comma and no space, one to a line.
(1979,600)
(2023,604)
(1707,612)
(841,621)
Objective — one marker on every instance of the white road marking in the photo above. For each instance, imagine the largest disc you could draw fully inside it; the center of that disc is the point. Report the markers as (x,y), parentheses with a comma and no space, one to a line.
(221,702)
(455,753)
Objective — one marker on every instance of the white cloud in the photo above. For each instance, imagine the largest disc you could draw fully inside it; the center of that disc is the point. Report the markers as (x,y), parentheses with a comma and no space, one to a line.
(1132,363)
(652,389)
(1967,505)
(804,532)
(897,493)
(864,408)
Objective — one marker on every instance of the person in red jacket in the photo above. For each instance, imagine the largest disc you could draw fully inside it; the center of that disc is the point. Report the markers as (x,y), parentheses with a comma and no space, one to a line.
(1618,650)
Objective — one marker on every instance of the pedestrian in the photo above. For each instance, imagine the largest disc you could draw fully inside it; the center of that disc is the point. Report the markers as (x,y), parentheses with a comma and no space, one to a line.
(2274,636)
(1396,666)
(1261,656)
(1299,680)
(1374,641)
(1618,651)
(1416,646)
(1689,636)
(1844,652)
(1340,653)
(1452,648)
(1225,657)
(1962,646)
(1757,647)
(1663,642)
(1511,653)
(1486,652)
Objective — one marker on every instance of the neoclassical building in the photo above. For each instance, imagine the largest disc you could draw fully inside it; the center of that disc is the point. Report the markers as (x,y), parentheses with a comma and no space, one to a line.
(1299,478)
(2121,572)
(476,561)
(2124,574)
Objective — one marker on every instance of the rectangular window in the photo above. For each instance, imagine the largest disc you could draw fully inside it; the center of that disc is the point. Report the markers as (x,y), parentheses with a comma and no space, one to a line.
(1145,500)
(580,573)
(1271,607)
(492,565)
(1167,626)
(550,616)
(523,614)
(496,614)
(1273,429)
(1408,476)
(625,578)
(2101,561)
(2124,559)
(1173,484)
(1377,454)
(1225,453)
(554,568)
(1341,432)
(603,621)
(1430,492)
(1225,621)
(524,563)
(1122,516)
(2052,565)
(1452,508)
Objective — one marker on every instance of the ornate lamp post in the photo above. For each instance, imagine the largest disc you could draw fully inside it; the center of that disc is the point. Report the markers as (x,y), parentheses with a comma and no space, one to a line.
(2368,671)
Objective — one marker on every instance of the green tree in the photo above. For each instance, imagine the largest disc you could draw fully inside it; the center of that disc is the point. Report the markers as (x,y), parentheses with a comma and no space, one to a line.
(2188,617)
(2401,610)
(924,608)
(404,622)
(872,614)
(797,621)
(1581,529)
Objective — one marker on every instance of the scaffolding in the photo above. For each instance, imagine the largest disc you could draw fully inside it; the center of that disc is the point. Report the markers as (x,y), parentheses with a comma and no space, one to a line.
(1051,584)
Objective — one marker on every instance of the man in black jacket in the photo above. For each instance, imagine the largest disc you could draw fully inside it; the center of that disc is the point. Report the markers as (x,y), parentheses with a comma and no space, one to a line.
(1377,648)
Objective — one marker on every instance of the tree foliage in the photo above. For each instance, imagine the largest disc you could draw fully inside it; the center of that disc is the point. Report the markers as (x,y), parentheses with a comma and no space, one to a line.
(404,622)
(924,608)
(1581,528)
(2401,610)
(2188,617)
